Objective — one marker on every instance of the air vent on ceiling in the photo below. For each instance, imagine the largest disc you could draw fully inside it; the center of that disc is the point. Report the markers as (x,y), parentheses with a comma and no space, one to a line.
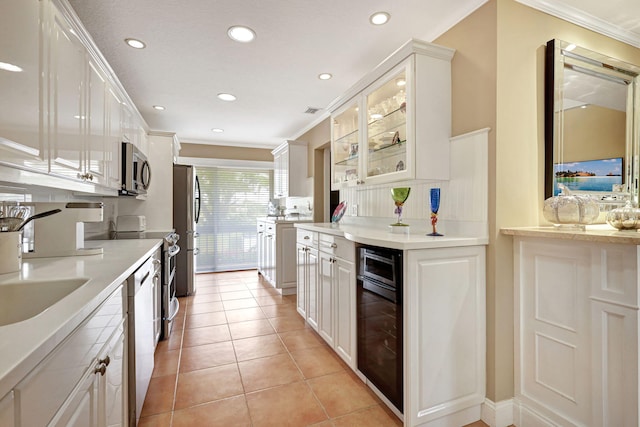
(312,110)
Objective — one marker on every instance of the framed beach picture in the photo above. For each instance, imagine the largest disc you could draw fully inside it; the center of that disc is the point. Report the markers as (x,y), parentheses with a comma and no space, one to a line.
(589,175)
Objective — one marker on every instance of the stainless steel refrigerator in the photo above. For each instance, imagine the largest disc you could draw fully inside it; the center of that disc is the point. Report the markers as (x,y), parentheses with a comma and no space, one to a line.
(186,213)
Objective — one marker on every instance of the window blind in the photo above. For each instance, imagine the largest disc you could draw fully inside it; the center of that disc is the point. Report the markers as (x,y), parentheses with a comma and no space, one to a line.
(231,200)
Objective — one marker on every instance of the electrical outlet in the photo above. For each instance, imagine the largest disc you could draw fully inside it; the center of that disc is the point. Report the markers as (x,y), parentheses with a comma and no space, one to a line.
(354,210)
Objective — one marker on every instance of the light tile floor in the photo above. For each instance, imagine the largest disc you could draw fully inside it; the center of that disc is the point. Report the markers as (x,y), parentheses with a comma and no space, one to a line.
(241,355)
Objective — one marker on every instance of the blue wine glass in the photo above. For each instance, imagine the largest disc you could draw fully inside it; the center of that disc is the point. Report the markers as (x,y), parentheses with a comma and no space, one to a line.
(435,205)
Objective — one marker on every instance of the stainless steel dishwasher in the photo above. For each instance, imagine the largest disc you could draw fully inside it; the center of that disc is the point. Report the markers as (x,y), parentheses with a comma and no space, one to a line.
(141,339)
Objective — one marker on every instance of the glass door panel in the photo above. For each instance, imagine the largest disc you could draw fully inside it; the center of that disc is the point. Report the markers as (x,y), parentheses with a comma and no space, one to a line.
(345,149)
(387,127)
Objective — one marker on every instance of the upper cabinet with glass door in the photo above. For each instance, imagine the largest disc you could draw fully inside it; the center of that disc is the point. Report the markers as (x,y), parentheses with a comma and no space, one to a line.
(397,122)
(346,143)
(386,129)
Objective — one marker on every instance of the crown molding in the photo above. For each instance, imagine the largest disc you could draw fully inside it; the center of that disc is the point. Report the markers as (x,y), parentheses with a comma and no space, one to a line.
(583,19)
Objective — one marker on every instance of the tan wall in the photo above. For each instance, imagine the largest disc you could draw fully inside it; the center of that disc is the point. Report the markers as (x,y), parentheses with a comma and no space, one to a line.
(513,91)
(316,138)
(473,76)
(593,133)
(225,152)
(498,82)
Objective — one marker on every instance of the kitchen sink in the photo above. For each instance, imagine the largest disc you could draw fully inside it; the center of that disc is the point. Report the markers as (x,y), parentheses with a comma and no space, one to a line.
(22,300)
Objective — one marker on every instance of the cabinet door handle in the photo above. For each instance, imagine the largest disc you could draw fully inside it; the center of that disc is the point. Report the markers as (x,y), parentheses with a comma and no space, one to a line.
(306,237)
(102,369)
(105,361)
(334,245)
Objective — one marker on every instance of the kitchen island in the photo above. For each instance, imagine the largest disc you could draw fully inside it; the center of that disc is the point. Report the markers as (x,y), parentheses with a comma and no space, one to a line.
(96,308)
(441,310)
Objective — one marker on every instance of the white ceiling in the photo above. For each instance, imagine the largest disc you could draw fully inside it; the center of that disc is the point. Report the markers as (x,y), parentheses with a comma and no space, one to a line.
(189,59)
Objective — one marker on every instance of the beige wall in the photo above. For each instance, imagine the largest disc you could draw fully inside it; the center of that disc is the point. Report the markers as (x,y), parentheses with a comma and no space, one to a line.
(317,139)
(498,82)
(225,152)
(473,77)
(509,97)
(593,133)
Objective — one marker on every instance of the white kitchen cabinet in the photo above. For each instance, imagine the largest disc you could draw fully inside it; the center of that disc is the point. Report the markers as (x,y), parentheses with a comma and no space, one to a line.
(22,36)
(290,170)
(156,291)
(113,146)
(7,412)
(326,296)
(337,295)
(444,336)
(261,238)
(65,102)
(277,255)
(394,125)
(307,278)
(69,386)
(97,149)
(99,398)
(576,333)
(67,106)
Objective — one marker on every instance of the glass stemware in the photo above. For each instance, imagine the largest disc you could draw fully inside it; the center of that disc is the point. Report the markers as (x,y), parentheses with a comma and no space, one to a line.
(435,205)
(400,195)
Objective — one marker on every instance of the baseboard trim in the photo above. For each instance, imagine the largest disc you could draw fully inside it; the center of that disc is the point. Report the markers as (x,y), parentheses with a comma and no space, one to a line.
(497,414)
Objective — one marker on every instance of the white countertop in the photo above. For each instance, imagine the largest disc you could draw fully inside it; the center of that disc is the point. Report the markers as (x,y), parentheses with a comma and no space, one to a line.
(24,344)
(378,236)
(601,233)
(282,220)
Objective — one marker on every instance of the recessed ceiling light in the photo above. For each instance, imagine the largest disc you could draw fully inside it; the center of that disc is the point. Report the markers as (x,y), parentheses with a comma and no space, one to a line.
(401,82)
(379,18)
(226,97)
(324,76)
(159,107)
(134,43)
(217,130)
(10,67)
(241,34)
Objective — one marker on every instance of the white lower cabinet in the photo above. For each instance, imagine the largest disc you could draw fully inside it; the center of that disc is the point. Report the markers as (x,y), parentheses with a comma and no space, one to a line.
(83,381)
(337,295)
(576,333)
(277,254)
(444,333)
(444,322)
(307,278)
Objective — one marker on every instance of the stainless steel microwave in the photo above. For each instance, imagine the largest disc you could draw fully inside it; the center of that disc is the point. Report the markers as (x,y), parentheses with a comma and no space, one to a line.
(136,171)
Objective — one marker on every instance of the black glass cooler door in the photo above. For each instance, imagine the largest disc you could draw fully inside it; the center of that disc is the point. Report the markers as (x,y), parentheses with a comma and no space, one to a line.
(379,310)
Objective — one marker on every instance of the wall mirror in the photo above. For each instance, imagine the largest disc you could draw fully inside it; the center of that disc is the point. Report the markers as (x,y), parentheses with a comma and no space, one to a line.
(591,124)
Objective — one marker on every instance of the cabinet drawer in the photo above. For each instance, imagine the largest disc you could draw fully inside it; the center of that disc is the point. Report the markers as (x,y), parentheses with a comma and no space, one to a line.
(306,237)
(338,246)
(270,228)
(42,392)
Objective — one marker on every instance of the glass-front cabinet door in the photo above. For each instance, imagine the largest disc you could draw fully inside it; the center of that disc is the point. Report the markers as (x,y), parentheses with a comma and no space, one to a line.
(345,152)
(396,123)
(386,130)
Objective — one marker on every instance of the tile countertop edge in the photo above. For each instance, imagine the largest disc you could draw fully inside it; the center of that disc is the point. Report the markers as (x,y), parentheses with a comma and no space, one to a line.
(597,233)
(376,237)
(25,344)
